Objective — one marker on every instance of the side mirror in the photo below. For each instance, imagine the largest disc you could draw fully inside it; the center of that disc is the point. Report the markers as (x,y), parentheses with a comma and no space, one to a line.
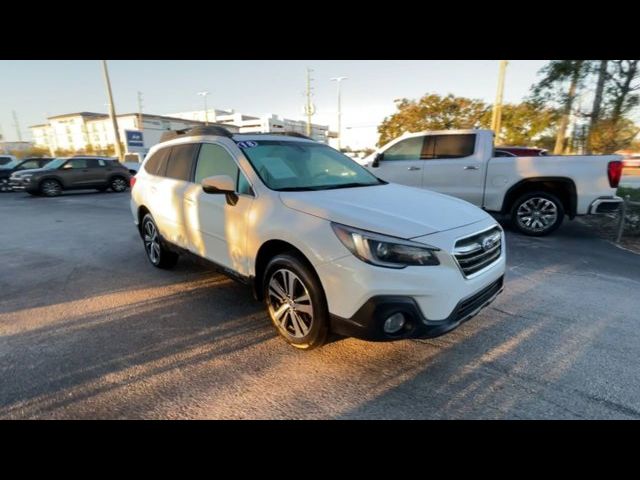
(221,184)
(218,184)
(377,159)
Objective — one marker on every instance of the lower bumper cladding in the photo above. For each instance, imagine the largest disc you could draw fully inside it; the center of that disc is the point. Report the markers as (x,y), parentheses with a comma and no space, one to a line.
(368,322)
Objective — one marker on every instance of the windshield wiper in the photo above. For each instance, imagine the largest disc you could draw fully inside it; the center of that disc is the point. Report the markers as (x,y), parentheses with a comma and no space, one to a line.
(347,185)
(296,189)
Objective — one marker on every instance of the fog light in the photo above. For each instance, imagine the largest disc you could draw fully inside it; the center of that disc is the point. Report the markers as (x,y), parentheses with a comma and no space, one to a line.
(394,323)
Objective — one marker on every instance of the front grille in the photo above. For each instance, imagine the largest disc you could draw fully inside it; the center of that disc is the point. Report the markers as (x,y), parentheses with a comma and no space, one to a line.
(478,251)
(468,306)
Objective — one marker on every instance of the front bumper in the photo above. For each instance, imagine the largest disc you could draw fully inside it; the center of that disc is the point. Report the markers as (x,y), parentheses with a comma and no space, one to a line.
(605,205)
(368,321)
(17,184)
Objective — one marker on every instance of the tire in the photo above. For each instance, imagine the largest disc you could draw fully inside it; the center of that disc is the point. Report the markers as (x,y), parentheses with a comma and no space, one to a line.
(50,188)
(118,184)
(156,252)
(547,213)
(303,324)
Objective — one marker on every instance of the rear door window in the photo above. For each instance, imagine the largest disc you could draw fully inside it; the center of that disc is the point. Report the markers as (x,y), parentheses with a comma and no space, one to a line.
(454,146)
(181,161)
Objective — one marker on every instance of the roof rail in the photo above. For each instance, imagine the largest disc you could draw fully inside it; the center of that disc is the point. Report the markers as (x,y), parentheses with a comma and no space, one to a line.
(193,131)
(285,133)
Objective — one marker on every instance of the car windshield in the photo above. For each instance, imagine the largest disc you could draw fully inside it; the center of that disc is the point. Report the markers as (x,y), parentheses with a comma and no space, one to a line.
(295,166)
(55,163)
(11,164)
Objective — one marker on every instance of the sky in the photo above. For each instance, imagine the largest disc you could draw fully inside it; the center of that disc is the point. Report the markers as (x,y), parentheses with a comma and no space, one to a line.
(36,89)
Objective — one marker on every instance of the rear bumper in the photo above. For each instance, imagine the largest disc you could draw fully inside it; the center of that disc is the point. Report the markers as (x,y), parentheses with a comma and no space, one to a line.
(367,323)
(604,205)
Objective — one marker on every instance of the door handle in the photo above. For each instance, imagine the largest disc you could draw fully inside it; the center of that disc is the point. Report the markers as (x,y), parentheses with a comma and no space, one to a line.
(471,167)
(413,168)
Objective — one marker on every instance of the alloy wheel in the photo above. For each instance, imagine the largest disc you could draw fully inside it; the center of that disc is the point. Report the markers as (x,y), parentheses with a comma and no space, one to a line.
(289,303)
(152,242)
(118,185)
(537,214)
(51,188)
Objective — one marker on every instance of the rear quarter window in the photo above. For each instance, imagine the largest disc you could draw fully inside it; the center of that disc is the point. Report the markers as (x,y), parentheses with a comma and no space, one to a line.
(157,162)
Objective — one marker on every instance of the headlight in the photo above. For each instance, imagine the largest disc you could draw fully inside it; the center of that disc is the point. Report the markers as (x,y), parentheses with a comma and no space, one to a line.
(25,178)
(383,250)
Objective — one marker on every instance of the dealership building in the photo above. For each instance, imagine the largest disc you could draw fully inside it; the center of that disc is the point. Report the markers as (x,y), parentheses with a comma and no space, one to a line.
(84,131)
(93,132)
(257,124)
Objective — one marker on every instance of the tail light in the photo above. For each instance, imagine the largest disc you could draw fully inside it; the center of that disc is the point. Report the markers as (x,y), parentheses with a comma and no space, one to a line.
(614,171)
(132,182)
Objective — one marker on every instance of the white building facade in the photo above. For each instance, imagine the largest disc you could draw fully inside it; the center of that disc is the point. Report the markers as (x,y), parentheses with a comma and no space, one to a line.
(257,124)
(88,131)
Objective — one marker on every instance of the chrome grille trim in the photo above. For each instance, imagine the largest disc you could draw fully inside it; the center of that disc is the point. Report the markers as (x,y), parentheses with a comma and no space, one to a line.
(470,255)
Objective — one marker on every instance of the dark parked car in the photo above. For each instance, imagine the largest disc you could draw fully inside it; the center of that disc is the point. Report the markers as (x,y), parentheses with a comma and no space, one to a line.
(72,173)
(18,165)
(520,152)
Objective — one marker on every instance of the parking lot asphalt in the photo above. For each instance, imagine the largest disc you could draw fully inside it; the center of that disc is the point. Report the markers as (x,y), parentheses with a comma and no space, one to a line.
(89,329)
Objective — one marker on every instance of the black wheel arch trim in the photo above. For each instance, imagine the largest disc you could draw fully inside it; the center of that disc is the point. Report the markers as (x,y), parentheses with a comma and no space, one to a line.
(511,196)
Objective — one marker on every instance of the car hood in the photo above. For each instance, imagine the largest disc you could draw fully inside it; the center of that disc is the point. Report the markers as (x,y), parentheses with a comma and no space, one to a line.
(392,209)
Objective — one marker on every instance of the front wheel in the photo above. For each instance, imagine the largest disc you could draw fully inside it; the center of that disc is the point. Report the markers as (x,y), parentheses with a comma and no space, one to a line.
(50,188)
(537,213)
(157,253)
(295,301)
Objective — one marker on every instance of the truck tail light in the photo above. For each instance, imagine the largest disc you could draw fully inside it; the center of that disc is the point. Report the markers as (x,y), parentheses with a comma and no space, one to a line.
(132,182)
(614,171)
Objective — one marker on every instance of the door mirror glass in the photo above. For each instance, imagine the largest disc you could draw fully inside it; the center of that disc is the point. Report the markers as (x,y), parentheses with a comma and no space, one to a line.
(218,184)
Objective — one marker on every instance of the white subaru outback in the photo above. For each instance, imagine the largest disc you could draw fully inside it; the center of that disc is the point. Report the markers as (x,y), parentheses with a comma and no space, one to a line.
(328,246)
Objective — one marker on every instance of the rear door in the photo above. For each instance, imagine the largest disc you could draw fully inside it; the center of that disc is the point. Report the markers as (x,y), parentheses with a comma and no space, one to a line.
(402,162)
(168,192)
(454,166)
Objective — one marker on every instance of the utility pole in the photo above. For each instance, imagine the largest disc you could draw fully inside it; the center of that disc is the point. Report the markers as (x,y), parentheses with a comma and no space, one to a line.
(309,108)
(112,111)
(17,125)
(140,123)
(206,110)
(338,80)
(496,115)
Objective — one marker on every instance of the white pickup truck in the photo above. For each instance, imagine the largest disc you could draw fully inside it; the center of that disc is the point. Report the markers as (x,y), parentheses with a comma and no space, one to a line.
(536,192)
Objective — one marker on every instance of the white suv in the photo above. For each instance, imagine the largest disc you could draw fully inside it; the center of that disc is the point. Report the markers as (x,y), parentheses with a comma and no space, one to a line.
(328,246)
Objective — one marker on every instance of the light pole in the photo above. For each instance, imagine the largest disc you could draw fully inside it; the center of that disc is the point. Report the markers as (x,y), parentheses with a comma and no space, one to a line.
(206,112)
(112,111)
(338,80)
(496,117)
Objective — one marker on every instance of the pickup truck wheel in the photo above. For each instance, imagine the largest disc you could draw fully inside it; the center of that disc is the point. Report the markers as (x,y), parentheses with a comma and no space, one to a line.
(296,302)
(537,213)
(157,253)
(50,188)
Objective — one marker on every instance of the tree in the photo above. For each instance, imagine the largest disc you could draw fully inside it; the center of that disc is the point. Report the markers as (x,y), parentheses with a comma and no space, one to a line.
(553,87)
(622,88)
(432,112)
(603,74)
(527,124)
(610,135)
